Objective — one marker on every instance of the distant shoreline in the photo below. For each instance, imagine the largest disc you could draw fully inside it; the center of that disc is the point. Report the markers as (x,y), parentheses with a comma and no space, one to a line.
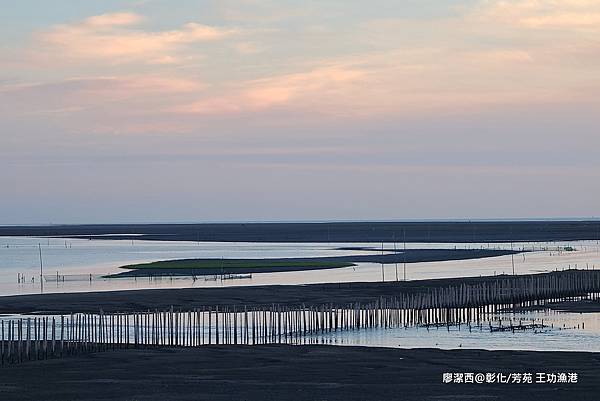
(334,232)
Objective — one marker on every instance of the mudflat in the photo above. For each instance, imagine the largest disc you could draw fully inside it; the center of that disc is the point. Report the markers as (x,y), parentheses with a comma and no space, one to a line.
(191,298)
(308,372)
(578,306)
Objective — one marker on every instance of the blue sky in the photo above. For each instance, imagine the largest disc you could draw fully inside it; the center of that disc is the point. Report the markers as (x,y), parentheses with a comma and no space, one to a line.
(285,110)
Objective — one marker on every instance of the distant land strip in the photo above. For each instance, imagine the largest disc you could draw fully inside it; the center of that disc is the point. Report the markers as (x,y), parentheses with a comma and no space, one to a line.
(335,232)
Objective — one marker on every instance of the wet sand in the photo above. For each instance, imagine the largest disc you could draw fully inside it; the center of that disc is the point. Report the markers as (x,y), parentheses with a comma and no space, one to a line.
(189,298)
(427,231)
(280,372)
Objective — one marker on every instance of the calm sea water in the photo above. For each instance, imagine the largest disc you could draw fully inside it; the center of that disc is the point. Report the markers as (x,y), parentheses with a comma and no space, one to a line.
(78,259)
(566,332)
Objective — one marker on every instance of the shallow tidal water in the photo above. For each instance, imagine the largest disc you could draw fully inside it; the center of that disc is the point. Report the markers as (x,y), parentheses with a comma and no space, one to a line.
(83,262)
(566,331)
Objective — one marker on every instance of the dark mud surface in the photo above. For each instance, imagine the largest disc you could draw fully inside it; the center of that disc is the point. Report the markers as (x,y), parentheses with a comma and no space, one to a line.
(280,372)
(190,298)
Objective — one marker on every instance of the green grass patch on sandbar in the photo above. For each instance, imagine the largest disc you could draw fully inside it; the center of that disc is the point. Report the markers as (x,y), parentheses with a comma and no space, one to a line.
(198,264)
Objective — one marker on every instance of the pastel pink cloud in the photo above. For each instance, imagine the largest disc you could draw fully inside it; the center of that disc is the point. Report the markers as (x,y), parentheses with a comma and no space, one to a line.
(111,38)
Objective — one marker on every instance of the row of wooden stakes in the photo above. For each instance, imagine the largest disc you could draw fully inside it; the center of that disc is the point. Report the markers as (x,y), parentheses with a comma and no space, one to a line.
(41,337)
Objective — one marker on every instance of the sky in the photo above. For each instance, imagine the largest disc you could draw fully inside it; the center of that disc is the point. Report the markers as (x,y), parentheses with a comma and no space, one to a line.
(259,110)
